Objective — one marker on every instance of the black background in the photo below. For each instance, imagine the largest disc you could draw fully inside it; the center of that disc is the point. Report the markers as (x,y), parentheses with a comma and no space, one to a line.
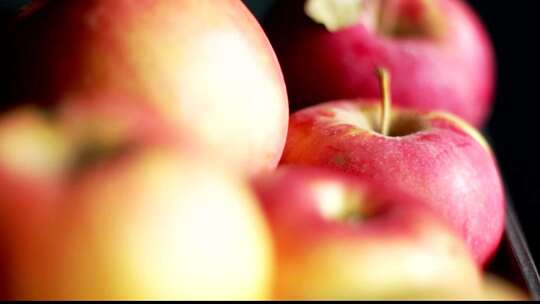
(514,124)
(513,128)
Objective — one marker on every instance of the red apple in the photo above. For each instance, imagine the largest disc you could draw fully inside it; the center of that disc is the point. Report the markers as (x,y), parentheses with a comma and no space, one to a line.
(205,65)
(438,52)
(433,156)
(340,237)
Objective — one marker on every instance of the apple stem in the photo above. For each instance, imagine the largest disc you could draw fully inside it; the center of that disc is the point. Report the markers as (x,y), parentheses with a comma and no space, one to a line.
(386,102)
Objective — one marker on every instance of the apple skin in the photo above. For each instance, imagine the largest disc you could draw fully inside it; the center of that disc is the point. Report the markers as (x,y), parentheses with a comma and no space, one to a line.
(181,228)
(206,65)
(399,251)
(448,165)
(32,155)
(454,73)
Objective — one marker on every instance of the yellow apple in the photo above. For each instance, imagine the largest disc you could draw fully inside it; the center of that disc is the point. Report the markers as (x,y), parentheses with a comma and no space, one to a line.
(152,224)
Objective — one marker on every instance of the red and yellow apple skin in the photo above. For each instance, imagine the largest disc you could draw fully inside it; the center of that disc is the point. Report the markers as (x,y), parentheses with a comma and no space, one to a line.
(32,153)
(452,71)
(206,65)
(153,224)
(339,237)
(443,162)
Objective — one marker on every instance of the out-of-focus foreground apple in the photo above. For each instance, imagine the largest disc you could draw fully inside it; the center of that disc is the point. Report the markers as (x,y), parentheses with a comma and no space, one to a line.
(101,208)
(438,52)
(434,157)
(206,65)
(340,237)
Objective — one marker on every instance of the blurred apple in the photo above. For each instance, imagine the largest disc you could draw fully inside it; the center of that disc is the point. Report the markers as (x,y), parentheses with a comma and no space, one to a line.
(100,200)
(438,52)
(340,237)
(434,157)
(155,224)
(205,65)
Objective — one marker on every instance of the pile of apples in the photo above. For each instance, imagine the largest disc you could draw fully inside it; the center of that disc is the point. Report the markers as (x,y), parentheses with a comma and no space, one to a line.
(140,144)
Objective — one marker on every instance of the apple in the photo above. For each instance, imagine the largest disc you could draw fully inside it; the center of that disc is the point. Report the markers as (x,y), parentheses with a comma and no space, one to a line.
(433,156)
(205,65)
(156,223)
(438,52)
(341,237)
(101,200)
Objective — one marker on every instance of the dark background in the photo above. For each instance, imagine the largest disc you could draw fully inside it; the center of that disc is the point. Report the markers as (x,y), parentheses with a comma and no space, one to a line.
(513,127)
(514,124)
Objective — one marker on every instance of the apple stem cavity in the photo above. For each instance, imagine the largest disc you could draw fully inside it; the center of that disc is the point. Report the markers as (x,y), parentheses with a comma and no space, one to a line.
(386,101)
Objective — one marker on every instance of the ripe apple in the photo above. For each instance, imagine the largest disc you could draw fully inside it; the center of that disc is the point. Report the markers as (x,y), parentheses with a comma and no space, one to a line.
(432,156)
(99,200)
(341,237)
(152,224)
(205,65)
(438,52)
